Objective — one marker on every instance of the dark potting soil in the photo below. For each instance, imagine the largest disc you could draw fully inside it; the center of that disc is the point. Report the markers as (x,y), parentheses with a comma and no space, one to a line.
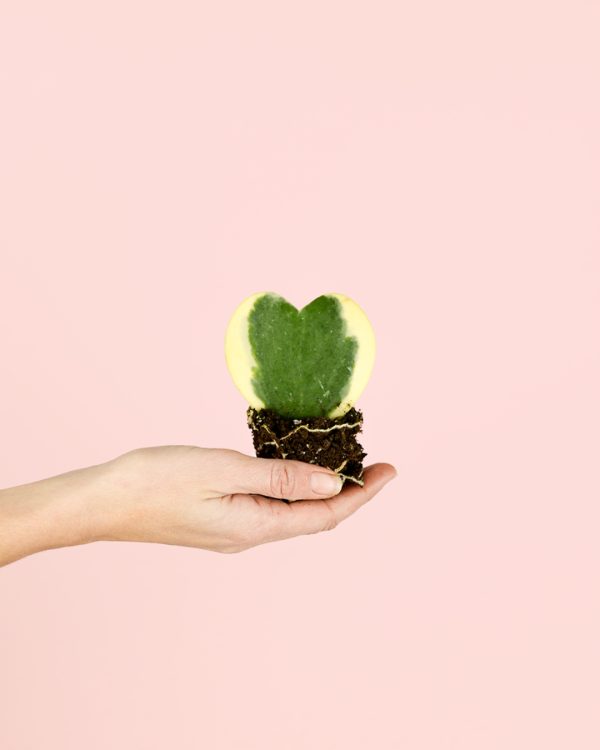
(331,443)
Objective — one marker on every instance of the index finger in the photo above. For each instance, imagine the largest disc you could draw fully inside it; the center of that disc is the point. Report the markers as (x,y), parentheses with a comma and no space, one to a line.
(312,516)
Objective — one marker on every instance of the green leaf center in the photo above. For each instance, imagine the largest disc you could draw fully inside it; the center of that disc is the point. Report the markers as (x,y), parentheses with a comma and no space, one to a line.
(304,360)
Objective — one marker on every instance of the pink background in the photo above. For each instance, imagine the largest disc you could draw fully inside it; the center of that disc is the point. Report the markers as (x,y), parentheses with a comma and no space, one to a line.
(440,163)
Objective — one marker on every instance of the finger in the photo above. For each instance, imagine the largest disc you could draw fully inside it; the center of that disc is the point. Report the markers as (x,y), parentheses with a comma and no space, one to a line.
(355,496)
(311,516)
(274,477)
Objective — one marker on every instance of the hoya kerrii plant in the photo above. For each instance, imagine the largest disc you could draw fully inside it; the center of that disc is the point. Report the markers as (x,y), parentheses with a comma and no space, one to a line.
(301,372)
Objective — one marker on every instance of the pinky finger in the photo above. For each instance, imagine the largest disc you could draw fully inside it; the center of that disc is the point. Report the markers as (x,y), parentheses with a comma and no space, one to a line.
(351,498)
(312,516)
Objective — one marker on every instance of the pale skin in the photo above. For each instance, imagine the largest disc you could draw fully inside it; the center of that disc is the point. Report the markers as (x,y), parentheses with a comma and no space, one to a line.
(210,498)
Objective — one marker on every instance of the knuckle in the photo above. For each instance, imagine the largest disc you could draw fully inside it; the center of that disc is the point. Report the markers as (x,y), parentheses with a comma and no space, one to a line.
(243,538)
(282,481)
(331,521)
(230,549)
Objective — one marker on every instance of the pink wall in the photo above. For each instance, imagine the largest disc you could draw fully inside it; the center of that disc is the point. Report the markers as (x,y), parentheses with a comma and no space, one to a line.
(440,163)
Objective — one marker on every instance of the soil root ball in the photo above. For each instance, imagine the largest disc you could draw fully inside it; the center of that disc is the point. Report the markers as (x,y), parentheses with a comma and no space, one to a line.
(331,443)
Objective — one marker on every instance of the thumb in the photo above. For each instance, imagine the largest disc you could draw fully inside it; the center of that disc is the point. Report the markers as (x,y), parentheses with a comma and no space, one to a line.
(282,478)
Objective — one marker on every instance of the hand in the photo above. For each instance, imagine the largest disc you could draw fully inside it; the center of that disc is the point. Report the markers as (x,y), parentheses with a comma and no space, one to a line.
(215,499)
(221,500)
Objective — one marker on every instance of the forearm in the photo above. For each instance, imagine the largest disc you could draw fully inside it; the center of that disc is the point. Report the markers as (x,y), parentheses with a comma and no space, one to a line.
(60,511)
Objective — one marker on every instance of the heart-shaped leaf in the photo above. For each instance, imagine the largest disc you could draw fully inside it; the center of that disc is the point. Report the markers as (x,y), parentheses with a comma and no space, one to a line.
(300,363)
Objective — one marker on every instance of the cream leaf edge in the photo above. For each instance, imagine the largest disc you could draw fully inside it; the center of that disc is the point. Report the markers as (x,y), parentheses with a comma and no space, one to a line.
(241,362)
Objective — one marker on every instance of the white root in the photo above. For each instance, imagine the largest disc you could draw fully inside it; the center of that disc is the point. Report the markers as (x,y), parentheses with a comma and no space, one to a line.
(277,442)
(319,429)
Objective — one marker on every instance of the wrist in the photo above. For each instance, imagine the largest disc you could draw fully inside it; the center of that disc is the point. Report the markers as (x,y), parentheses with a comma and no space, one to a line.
(61,511)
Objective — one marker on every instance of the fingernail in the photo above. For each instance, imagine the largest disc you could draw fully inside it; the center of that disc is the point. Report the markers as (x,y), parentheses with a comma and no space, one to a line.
(325,484)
